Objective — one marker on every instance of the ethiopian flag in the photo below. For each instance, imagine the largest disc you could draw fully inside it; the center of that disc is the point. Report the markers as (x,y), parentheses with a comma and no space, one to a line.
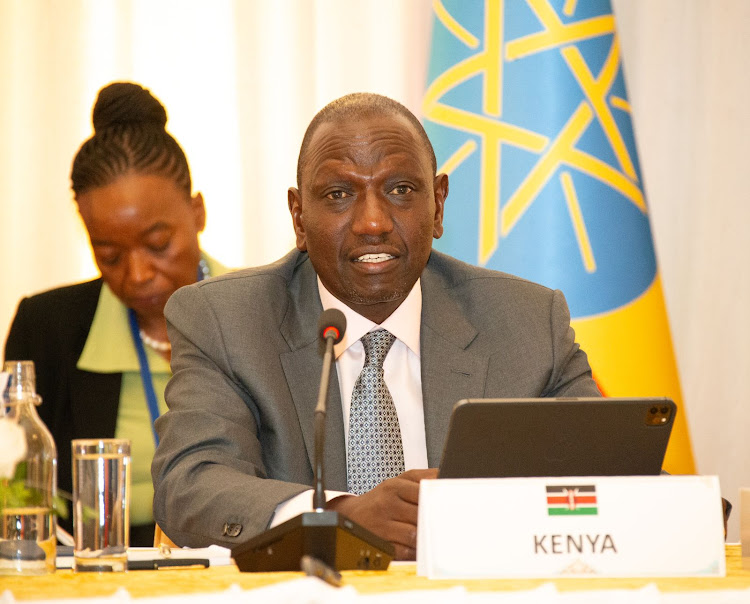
(527,109)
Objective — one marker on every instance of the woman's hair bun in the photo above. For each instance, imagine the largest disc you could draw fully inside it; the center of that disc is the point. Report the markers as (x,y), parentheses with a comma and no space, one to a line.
(127,103)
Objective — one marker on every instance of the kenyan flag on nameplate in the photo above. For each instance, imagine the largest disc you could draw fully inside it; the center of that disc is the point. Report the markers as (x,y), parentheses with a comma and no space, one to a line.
(572,500)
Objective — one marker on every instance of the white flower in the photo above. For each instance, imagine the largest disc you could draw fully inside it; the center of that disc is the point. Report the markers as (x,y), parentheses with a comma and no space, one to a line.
(12,446)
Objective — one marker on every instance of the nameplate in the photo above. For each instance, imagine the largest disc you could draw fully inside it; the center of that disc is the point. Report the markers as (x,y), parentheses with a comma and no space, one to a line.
(634,526)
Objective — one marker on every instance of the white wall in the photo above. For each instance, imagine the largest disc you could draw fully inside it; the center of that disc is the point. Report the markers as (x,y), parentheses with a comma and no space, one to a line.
(686,69)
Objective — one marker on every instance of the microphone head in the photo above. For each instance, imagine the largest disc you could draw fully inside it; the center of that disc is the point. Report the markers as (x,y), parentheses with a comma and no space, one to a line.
(332,324)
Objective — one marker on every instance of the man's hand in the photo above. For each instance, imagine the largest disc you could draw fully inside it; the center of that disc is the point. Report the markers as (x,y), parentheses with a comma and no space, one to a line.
(389,510)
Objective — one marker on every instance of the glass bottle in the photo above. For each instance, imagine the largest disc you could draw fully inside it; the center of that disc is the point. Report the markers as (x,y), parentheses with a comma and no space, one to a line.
(27,522)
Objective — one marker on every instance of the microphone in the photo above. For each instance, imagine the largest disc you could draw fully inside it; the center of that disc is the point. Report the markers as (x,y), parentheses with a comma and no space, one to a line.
(331,328)
(323,534)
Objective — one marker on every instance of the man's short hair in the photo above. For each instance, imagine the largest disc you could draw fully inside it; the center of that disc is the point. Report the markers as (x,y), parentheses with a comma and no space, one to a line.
(358,105)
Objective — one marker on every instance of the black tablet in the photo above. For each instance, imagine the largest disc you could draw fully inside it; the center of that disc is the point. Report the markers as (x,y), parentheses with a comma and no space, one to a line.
(490,438)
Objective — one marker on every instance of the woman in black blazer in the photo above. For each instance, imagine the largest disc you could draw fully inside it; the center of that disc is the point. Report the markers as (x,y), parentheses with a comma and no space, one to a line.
(100,348)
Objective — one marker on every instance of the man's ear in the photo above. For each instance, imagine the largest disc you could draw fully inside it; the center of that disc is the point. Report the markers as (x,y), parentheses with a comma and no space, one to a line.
(441,194)
(294,199)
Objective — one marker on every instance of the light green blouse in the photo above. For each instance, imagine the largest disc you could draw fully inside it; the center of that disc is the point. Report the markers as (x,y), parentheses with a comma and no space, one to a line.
(109,349)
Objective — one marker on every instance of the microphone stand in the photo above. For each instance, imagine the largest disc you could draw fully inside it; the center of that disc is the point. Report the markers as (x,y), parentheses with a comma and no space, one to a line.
(323,534)
(319,495)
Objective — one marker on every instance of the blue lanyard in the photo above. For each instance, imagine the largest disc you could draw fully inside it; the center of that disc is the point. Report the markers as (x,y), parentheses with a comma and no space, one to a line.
(146,379)
(148,382)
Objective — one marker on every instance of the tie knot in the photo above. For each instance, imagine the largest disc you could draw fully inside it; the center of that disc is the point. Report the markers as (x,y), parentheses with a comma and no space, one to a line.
(377,344)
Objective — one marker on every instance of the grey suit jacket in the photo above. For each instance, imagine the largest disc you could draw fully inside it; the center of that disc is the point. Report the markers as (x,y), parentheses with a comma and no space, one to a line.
(238,437)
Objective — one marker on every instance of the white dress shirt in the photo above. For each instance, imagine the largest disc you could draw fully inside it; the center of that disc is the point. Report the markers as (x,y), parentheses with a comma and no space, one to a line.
(405,385)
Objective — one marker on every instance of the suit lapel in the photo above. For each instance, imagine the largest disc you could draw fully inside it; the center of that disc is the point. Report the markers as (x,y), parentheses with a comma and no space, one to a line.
(302,366)
(450,372)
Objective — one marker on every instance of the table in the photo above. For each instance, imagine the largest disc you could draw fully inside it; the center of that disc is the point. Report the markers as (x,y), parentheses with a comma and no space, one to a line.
(67,584)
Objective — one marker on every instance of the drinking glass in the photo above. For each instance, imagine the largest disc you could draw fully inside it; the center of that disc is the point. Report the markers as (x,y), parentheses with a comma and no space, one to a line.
(101,504)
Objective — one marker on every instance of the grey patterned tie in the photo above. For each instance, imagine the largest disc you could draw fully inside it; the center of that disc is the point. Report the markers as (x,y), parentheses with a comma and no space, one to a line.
(375,451)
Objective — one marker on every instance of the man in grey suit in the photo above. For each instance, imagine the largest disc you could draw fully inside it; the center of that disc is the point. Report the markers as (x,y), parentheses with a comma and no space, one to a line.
(236,450)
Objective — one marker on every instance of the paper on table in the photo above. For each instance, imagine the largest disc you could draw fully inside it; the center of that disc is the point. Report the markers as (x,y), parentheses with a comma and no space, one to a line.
(216,555)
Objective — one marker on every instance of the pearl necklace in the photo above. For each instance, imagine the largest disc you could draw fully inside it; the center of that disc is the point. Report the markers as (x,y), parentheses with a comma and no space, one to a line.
(157,345)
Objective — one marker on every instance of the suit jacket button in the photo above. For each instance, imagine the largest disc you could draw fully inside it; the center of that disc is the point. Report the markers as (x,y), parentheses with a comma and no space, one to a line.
(232,529)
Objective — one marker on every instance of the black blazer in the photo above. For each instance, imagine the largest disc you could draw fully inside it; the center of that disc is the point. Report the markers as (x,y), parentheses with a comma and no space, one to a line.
(51,329)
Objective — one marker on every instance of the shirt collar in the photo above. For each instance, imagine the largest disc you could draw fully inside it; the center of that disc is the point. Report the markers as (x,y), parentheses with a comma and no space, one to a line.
(404,323)
(109,345)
